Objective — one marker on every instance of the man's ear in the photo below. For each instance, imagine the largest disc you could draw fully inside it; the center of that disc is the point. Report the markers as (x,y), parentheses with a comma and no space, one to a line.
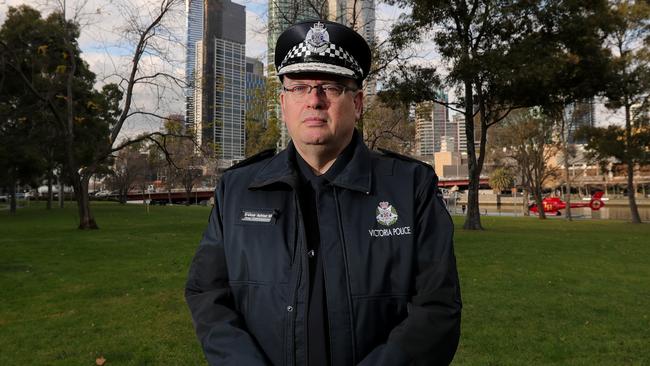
(358,104)
(282,105)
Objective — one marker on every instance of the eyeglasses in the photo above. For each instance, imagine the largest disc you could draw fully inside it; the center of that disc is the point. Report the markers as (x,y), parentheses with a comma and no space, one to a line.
(331,91)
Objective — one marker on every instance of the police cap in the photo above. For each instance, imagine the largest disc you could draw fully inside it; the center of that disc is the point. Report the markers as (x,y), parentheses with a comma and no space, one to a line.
(324,47)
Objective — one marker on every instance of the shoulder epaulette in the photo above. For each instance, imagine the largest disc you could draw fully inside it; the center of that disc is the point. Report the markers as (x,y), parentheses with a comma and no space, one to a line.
(403,157)
(265,154)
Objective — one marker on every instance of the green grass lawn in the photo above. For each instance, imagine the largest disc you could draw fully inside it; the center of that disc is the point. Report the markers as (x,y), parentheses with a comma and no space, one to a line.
(534,293)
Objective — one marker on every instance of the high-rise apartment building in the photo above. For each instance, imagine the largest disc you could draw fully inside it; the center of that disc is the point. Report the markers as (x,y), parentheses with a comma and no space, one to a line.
(194,26)
(196,104)
(459,123)
(356,14)
(431,125)
(579,114)
(219,95)
(424,129)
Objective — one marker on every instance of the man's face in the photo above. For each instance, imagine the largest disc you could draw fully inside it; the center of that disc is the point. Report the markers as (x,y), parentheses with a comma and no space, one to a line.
(320,117)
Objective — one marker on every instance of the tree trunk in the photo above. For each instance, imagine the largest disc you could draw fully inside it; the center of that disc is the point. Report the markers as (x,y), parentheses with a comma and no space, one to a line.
(524,200)
(123,195)
(61,193)
(567,182)
(473,218)
(188,196)
(537,192)
(524,194)
(12,197)
(631,189)
(86,219)
(499,203)
(50,194)
(631,194)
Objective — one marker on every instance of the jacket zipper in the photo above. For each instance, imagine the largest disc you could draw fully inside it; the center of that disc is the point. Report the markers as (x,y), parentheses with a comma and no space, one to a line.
(293,314)
(347,275)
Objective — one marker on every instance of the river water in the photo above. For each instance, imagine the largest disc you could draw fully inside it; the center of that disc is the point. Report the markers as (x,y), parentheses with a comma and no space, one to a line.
(614,209)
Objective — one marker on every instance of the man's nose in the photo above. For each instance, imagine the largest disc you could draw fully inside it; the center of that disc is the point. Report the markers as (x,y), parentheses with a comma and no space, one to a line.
(316,98)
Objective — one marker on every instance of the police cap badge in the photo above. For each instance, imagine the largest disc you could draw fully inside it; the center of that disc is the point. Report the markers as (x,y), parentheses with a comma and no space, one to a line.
(324,47)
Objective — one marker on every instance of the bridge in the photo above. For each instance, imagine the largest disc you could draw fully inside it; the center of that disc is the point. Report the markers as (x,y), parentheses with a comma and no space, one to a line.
(175,196)
(461,183)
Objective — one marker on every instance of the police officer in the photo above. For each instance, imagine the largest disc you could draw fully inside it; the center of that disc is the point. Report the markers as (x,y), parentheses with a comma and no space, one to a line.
(326,253)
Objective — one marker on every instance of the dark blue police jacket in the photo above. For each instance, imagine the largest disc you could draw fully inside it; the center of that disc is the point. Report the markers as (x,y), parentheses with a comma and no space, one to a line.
(393,296)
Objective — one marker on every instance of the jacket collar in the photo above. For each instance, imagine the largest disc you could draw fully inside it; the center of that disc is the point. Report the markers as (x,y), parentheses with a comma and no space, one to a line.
(281,168)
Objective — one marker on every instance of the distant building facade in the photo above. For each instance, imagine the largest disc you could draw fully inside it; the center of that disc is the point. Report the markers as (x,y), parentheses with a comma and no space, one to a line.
(458,121)
(579,114)
(431,125)
(219,95)
(194,28)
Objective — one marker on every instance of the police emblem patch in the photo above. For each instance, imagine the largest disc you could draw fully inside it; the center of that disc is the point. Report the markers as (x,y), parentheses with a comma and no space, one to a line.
(317,38)
(386,214)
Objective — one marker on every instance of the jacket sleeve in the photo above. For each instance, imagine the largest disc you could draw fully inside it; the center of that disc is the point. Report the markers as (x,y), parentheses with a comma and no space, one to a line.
(430,333)
(219,327)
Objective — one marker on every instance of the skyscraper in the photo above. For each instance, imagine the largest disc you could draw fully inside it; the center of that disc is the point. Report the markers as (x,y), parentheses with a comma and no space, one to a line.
(194,25)
(459,123)
(579,114)
(424,129)
(220,84)
(431,125)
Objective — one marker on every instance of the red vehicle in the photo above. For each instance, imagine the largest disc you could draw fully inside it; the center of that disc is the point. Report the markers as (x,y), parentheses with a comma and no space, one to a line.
(553,205)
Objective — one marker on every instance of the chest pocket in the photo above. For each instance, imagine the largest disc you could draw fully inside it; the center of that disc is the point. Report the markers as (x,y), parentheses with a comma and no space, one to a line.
(260,245)
(380,248)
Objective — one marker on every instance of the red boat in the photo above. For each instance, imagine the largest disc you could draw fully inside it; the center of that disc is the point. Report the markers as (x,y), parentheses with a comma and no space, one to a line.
(553,205)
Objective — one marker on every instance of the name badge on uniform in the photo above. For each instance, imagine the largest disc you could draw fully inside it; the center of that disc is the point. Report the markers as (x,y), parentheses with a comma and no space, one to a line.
(258,215)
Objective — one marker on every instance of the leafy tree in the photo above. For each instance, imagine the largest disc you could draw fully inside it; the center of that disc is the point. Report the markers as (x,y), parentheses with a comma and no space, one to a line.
(387,126)
(184,159)
(604,143)
(502,55)
(500,179)
(20,160)
(527,138)
(628,87)
(260,137)
(21,132)
(65,85)
(262,133)
(129,170)
(32,50)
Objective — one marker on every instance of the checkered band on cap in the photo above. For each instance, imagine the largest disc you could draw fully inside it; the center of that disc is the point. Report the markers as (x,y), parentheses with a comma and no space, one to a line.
(331,54)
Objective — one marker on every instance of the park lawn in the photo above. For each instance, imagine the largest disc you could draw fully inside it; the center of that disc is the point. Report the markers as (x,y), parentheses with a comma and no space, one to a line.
(555,293)
(534,293)
(71,296)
